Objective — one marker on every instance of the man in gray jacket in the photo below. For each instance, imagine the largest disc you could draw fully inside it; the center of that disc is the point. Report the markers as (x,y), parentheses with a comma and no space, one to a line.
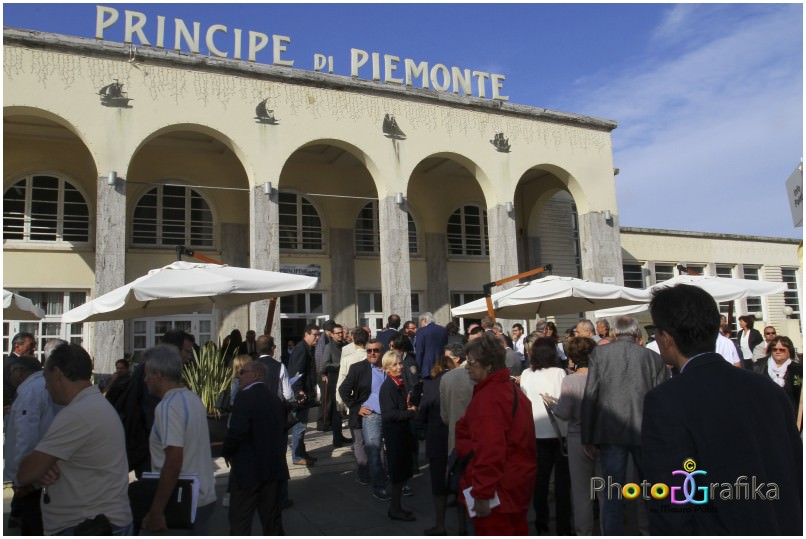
(620,375)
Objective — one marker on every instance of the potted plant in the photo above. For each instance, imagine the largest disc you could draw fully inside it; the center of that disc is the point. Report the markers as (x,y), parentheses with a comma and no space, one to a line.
(208,377)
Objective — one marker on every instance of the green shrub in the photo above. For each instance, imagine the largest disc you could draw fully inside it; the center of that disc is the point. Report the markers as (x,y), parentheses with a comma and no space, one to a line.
(208,377)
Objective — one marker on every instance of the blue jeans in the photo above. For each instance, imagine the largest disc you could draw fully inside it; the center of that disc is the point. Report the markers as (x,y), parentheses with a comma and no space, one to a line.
(372,429)
(613,459)
(298,435)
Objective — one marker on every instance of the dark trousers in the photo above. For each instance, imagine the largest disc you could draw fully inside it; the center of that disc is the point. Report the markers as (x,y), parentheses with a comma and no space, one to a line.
(549,456)
(263,498)
(334,416)
(29,513)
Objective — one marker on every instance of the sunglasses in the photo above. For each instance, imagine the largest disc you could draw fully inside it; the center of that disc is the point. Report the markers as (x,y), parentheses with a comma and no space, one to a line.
(769,333)
(373,350)
(780,349)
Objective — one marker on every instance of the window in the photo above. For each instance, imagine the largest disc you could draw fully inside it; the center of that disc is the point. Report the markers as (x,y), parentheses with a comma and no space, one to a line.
(55,304)
(370,311)
(300,225)
(170,215)
(663,272)
(467,232)
(753,303)
(45,208)
(367,233)
(724,306)
(633,275)
(790,277)
(146,332)
(460,298)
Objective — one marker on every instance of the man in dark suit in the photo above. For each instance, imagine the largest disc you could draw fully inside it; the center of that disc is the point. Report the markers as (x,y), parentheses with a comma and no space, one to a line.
(255,447)
(732,426)
(249,346)
(23,344)
(620,375)
(302,364)
(431,339)
(391,331)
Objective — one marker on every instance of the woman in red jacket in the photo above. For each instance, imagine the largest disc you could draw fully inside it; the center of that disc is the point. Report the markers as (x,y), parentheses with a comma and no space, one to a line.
(498,428)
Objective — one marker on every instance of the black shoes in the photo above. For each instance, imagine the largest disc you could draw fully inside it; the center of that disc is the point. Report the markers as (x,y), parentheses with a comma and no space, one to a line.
(406,516)
(341,442)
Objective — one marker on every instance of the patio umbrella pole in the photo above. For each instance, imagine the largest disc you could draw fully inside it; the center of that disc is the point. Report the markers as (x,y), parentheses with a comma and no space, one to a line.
(270,316)
(488,287)
(182,250)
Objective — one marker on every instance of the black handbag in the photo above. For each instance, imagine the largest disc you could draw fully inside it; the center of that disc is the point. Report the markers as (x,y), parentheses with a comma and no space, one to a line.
(456,468)
(99,525)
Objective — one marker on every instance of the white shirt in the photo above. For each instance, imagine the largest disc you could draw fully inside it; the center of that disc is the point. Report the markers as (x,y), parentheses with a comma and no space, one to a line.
(727,349)
(540,381)
(518,345)
(724,347)
(180,420)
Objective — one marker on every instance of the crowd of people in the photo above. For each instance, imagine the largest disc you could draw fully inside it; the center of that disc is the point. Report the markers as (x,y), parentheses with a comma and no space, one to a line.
(504,414)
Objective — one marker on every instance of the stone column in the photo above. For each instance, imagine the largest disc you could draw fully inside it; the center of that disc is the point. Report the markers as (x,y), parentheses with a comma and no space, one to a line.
(342,276)
(264,250)
(503,244)
(110,269)
(438,294)
(600,247)
(395,267)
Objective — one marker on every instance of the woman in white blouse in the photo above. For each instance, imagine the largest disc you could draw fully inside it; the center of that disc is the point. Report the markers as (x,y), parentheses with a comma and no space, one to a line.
(545,376)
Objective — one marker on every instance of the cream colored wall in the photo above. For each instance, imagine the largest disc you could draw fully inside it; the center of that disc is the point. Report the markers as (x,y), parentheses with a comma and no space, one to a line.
(164,97)
(674,249)
(467,275)
(48,268)
(368,273)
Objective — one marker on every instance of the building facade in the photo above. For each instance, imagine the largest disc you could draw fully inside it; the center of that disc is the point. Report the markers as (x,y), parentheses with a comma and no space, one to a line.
(399,199)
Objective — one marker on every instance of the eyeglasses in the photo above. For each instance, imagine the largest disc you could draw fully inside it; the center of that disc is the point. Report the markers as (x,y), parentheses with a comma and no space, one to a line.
(373,350)
(780,349)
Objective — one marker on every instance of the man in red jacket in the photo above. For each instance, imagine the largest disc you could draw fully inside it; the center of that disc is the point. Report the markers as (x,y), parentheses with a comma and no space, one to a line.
(499,430)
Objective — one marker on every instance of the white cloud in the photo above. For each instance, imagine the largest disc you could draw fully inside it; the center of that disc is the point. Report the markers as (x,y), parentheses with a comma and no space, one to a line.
(709,131)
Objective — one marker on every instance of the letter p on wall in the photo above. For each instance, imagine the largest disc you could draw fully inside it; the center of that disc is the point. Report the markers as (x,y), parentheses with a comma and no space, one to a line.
(104,18)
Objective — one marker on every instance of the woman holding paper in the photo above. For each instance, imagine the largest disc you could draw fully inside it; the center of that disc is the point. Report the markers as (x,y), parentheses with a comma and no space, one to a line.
(498,430)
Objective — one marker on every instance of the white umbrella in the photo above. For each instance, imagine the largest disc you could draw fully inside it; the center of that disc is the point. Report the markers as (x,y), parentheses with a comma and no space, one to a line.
(553,295)
(721,288)
(16,307)
(187,287)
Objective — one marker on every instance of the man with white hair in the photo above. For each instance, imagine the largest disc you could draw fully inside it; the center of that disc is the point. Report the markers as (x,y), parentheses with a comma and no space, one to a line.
(180,439)
(619,376)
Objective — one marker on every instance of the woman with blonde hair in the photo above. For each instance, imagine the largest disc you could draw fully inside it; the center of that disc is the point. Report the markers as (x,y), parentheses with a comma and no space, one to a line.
(397,413)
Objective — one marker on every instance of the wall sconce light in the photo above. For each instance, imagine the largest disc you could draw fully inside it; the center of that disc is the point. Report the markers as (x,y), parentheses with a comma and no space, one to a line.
(509,207)
(112,178)
(398,198)
(608,217)
(267,188)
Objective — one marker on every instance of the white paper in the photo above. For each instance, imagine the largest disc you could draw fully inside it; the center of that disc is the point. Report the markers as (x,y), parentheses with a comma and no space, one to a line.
(194,490)
(471,501)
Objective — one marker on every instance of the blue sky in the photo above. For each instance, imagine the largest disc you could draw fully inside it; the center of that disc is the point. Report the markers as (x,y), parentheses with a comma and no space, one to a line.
(708,97)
